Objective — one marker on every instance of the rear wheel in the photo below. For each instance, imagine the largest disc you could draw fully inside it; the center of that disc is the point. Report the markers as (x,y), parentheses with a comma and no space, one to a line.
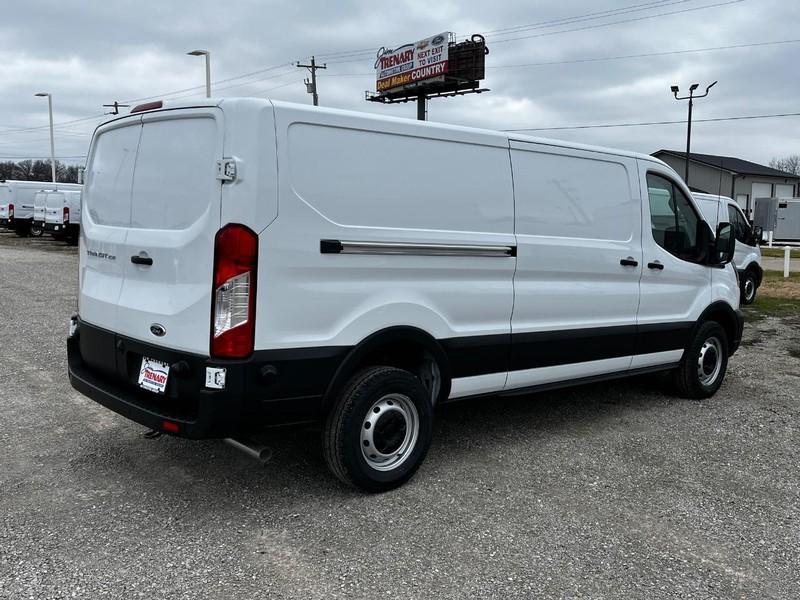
(379,431)
(704,363)
(748,287)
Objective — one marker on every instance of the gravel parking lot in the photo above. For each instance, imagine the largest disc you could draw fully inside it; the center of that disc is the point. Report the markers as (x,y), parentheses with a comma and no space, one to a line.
(616,490)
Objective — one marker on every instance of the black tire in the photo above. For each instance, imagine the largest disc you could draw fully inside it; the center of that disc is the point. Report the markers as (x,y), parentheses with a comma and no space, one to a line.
(748,285)
(36,231)
(342,436)
(22,229)
(688,375)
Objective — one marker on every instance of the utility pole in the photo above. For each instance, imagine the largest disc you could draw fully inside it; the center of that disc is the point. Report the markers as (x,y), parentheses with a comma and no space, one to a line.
(690,98)
(311,86)
(116,106)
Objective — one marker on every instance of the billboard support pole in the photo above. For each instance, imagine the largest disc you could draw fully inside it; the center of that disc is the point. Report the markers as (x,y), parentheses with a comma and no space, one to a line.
(422,107)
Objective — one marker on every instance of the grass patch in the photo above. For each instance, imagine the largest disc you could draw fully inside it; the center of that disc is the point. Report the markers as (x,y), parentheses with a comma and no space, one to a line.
(771,306)
(777,277)
(778,252)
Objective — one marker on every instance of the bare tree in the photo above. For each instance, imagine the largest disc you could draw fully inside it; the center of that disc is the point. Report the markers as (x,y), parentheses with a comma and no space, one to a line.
(787,164)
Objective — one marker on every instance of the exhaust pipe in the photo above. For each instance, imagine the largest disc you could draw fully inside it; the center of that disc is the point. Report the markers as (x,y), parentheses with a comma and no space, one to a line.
(258,451)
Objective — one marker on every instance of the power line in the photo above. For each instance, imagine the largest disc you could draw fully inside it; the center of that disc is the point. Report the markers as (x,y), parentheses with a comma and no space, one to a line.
(542,24)
(605,58)
(632,20)
(642,124)
(586,27)
(588,16)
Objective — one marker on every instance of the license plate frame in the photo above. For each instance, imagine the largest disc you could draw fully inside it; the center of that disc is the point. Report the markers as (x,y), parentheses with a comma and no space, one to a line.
(153,375)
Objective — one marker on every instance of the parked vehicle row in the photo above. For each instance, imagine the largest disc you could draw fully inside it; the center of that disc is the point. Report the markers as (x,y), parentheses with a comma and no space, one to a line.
(307,265)
(32,207)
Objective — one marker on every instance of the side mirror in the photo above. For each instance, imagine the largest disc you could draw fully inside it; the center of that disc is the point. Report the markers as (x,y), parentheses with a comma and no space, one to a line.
(724,245)
(758,235)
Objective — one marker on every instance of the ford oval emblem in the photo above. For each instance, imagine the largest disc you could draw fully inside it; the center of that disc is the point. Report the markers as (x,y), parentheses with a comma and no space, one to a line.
(157,330)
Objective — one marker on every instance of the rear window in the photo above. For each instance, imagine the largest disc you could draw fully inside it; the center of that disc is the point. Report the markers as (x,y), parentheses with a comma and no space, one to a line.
(109,176)
(175,174)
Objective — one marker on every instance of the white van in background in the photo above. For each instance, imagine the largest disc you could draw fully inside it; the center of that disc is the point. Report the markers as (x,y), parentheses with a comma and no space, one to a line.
(63,215)
(18,197)
(247,263)
(747,258)
(39,214)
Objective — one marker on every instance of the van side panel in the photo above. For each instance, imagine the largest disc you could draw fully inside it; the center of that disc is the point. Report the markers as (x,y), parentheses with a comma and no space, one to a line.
(407,184)
(252,198)
(577,215)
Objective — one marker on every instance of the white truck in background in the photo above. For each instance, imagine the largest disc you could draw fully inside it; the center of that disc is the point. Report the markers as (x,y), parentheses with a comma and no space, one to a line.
(747,257)
(16,203)
(62,216)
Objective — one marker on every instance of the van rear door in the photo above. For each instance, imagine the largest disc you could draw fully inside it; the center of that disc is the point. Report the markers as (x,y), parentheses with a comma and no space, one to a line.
(54,208)
(167,256)
(151,211)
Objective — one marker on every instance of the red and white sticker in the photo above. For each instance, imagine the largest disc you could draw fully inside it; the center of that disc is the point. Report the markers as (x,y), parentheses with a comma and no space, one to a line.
(153,375)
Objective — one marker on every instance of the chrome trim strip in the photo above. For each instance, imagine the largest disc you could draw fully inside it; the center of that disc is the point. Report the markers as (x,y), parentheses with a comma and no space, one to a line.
(414,249)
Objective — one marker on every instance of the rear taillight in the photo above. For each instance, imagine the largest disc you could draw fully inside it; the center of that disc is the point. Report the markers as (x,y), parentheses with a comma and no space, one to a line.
(10,211)
(66,215)
(234,301)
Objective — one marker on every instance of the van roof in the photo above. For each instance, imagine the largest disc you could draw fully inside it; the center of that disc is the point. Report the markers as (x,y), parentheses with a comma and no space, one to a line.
(377,118)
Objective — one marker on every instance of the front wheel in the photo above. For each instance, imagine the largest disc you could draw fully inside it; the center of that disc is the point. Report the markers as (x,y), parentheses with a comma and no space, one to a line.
(704,362)
(379,431)
(748,287)
(36,231)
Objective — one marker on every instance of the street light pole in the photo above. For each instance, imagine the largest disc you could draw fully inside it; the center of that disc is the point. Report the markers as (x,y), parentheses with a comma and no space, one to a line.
(207,54)
(52,139)
(674,89)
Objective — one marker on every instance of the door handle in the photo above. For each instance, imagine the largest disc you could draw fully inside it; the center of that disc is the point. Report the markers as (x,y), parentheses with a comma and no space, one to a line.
(629,262)
(655,265)
(141,260)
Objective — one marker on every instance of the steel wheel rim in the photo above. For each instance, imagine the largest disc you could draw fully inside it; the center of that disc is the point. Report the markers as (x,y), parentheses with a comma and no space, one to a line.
(749,289)
(709,362)
(389,432)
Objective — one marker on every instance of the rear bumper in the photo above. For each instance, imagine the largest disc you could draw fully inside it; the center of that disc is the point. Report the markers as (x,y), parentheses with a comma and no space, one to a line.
(7,223)
(56,227)
(271,388)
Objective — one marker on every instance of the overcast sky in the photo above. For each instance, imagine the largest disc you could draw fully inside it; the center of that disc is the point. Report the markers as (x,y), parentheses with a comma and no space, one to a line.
(89,53)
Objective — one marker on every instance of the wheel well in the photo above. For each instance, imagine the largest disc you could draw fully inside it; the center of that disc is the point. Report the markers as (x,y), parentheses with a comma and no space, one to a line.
(405,348)
(726,319)
(756,270)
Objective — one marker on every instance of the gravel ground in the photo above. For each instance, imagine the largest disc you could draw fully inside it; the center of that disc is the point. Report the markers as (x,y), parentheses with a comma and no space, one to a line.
(614,490)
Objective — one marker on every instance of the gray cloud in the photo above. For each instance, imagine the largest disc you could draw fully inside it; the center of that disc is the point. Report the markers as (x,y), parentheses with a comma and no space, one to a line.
(90,53)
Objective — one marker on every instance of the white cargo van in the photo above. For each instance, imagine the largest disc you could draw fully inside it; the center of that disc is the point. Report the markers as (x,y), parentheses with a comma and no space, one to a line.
(63,215)
(18,196)
(39,213)
(747,258)
(247,263)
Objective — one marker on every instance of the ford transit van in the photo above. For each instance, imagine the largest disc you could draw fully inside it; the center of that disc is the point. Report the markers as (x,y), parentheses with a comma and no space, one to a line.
(63,215)
(747,257)
(18,198)
(247,263)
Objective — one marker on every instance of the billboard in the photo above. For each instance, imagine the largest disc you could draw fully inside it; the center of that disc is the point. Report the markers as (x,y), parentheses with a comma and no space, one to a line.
(408,66)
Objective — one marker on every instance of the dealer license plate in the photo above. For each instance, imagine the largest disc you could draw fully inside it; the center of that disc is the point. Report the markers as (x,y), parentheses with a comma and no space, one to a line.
(153,375)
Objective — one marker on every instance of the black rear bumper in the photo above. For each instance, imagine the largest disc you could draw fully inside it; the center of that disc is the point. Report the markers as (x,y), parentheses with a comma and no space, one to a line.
(7,223)
(271,388)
